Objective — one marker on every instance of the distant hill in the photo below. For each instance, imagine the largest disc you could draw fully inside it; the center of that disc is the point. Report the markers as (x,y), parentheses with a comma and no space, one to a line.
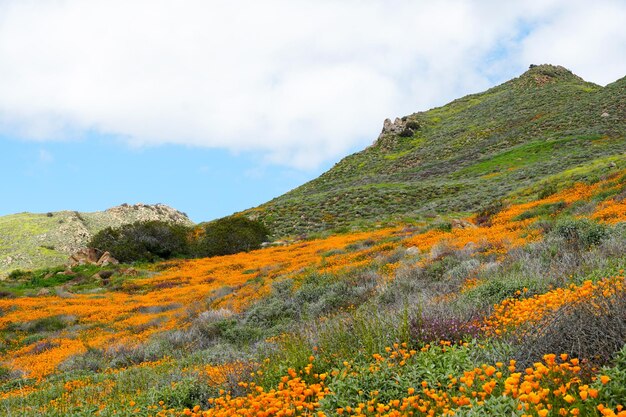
(528,135)
(29,241)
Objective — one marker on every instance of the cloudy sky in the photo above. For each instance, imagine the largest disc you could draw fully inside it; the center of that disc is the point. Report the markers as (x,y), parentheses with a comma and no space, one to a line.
(216,106)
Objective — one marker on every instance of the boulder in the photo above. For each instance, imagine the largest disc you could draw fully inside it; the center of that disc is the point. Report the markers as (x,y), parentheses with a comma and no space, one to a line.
(43,292)
(413,251)
(103,275)
(130,272)
(462,224)
(84,257)
(107,259)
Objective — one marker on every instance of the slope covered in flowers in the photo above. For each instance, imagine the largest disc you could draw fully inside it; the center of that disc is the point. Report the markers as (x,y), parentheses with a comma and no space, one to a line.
(271,332)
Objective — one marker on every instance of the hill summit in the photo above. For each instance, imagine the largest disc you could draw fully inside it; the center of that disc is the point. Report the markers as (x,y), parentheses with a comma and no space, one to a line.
(29,240)
(528,135)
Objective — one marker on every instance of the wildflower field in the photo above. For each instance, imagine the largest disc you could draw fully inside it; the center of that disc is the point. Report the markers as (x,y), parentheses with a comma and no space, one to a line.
(517,310)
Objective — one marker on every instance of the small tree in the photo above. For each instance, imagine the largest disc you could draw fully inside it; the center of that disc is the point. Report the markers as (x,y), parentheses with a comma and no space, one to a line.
(231,235)
(143,241)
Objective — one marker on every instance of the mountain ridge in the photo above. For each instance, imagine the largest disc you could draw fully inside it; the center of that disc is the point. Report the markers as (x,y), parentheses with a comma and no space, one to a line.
(497,143)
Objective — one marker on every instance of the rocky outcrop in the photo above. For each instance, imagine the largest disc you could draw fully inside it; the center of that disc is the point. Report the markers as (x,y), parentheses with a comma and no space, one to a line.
(84,257)
(91,256)
(146,212)
(404,127)
(394,128)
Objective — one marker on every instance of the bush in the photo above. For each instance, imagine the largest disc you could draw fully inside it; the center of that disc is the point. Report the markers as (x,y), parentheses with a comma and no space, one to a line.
(614,392)
(19,274)
(231,235)
(143,241)
(455,329)
(485,213)
(413,125)
(581,233)
(406,133)
(593,331)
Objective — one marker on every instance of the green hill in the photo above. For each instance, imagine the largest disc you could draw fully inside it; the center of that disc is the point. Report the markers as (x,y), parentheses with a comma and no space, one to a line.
(30,241)
(519,311)
(538,130)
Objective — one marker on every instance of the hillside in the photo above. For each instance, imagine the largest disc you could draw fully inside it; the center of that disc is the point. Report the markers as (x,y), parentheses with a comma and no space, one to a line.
(508,300)
(546,126)
(30,241)
(522,315)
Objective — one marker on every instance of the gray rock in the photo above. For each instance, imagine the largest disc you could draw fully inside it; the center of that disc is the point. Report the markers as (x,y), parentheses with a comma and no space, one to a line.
(413,251)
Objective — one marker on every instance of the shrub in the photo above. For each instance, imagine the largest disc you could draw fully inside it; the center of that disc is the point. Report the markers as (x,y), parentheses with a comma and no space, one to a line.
(406,133)
(413,125)
(614,392)
(185,393)
(143,241)
(231,235)
(46,324)
(547,190)
(435,328)
(581,233)
(593,330)
(483,218)
(93,360)
(19,274)
(6,374)
(550,209)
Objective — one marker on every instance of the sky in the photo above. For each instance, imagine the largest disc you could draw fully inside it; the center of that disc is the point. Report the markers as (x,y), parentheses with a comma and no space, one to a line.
(216,106)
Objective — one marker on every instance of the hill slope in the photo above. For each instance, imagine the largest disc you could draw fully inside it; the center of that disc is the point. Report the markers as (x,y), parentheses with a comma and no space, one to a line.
(548,124)
(30,240)
(519,311)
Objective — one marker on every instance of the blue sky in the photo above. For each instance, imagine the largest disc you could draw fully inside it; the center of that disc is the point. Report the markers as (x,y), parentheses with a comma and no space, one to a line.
(216,106)
(100,172)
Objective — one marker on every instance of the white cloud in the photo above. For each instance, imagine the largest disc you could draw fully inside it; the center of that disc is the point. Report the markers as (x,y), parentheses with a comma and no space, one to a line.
(300,81)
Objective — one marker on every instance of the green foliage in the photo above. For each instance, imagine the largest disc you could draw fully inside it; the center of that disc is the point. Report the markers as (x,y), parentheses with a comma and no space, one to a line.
(143,241)
(231,235)
(239,334)
(549,209)
(46,324)
(493,406)
(614,392)
(18,274)
(185,393)
(582,233)
(433,366)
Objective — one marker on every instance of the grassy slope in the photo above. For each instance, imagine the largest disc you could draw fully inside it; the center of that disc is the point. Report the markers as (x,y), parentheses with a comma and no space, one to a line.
(25,240)
(481,147)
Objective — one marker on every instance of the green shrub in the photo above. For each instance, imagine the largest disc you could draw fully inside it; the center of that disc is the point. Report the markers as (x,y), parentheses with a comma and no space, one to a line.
(231,235)
(542,210)
(614,392)
(19,274)
(185,393)
(406,133)
(45,324)
(581,233)
(434,365)
(143,241)
(413,125)
(486,212)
